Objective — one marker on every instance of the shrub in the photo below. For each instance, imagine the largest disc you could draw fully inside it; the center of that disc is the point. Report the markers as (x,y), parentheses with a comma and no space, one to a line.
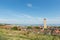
(37,27)
(29,27)
(14,28)
(1,24)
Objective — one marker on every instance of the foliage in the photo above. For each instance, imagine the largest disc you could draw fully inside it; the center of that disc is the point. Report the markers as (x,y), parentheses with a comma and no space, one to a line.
(37,27)
(16,35)
(58,26)
(29,27)
(2,38)
(1,24)
(15,28)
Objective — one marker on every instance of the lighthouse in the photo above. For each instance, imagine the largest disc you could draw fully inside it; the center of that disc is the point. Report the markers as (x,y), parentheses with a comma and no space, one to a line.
(45,26)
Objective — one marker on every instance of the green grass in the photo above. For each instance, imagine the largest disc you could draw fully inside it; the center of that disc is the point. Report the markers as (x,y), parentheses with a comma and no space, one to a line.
(17,35)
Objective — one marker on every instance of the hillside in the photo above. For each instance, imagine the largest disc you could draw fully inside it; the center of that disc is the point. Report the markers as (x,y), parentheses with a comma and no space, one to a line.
(18,35)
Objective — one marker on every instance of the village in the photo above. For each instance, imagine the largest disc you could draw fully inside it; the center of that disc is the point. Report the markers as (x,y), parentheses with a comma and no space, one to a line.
(49,30)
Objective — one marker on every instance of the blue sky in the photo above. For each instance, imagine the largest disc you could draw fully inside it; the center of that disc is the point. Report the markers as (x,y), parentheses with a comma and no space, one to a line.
(29,11)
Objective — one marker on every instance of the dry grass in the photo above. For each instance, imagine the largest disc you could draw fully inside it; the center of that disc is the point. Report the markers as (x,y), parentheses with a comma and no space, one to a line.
(22,35)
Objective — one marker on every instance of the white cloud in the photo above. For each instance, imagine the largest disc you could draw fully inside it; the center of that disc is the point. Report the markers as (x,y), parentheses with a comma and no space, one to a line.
(29,5)
(21,18)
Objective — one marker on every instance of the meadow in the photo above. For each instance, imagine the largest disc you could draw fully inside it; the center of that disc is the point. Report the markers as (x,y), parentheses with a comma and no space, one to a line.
(20,35)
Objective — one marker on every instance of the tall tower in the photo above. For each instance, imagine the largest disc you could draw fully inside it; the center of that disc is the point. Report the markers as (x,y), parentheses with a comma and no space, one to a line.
(45,26)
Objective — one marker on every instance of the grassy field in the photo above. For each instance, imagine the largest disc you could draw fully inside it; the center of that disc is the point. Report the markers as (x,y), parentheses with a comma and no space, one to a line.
(18,35)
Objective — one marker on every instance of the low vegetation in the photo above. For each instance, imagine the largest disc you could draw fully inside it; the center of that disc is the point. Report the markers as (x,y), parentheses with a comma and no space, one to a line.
(14,28)
(18,35)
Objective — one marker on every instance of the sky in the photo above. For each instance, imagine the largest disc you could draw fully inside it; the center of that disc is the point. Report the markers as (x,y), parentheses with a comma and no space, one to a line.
(29,11)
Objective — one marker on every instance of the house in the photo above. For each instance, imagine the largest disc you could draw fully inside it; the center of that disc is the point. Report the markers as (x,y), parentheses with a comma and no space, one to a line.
(6,27)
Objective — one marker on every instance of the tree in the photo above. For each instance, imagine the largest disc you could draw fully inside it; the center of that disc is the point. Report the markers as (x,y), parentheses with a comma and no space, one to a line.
(15,28)
(2,24)
(29,27)
(37,27)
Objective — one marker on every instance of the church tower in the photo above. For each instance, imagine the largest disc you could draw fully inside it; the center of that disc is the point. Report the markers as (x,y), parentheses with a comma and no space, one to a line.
(45,26)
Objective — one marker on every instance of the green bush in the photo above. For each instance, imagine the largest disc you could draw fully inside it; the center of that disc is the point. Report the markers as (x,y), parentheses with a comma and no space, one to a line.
(14,28)
(29,27)
(37,27)
(2,25)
